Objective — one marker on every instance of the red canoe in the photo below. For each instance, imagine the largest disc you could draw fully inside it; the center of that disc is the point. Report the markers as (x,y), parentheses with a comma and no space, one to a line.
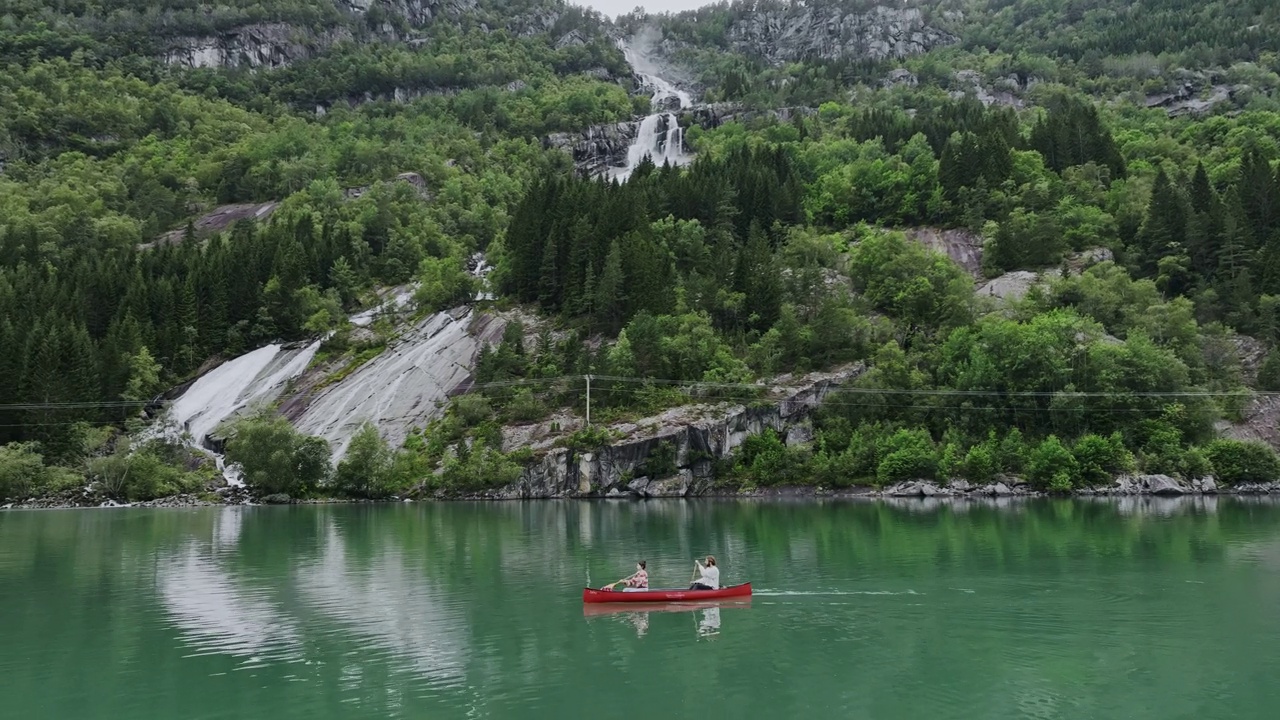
(591,595)
(601,609)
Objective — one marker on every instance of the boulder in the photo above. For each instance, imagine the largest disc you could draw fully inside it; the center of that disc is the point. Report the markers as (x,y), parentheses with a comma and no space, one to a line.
(904,489)
(1163,485)
(1148,485)
(931,489)
(1206,485)
(277,499)
(799,435)
(675,486)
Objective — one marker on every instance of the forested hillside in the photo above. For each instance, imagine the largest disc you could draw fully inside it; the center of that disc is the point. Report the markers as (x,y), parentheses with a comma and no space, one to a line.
(1072,145)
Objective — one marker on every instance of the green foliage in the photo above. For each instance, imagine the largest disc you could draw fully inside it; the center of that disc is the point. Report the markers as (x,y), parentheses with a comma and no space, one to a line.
(478,467)
(140,474)
(1236,461)
(661,461)
(764,459)
(922,290)
(906,455)
(1051,466)
(1269,372)
(588,438)
(443,283)
(369,467)
(1099,459)
(277,459)
(525,406)
(22,471)
(473,409)
(752,261)
(980,464)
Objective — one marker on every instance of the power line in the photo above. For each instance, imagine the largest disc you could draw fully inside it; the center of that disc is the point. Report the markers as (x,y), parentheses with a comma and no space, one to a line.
(928,392)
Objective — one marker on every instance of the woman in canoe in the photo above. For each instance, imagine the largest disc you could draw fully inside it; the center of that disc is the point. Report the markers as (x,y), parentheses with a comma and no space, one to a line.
(636,582)
(709,575)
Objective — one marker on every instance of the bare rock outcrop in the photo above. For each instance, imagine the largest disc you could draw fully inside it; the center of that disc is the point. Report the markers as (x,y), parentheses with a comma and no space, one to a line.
(781,33)
(693,437)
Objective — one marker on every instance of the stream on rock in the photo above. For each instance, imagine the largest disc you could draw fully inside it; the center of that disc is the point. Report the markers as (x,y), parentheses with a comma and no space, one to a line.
(659,136)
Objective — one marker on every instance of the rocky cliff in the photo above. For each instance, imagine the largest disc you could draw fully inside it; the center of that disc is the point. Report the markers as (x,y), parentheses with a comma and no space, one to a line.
(267,45)
(597,148)
(691,440)
(276,44)
(779,33)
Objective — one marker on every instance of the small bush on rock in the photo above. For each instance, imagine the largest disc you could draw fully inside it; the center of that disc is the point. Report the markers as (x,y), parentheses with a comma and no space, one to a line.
(1238,461)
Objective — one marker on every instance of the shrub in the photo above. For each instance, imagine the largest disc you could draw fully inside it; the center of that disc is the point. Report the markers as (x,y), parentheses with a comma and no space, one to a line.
(766,460)
(951,461)
(368,468)
(907,455)
(525,406)
(1051,466)
(588,438)
(473,409)
(276,458)
(1195,463)
(980,464)
(1101,458)
(22,471)
(661,461)
(1238,461)
(479,467)
(1013,452)
(1269,373)
(140,475)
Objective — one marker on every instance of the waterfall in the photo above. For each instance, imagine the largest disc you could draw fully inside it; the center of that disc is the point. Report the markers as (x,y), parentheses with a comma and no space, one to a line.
(659,136)
(233,388)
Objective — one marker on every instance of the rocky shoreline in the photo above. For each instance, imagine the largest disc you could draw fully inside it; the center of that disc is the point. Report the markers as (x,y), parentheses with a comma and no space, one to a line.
(1008,487)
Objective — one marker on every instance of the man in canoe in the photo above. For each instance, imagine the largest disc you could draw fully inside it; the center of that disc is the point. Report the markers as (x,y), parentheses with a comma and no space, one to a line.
(708,575)
(635,582)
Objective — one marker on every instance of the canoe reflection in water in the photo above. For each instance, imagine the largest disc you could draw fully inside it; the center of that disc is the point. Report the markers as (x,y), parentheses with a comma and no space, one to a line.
(707,613)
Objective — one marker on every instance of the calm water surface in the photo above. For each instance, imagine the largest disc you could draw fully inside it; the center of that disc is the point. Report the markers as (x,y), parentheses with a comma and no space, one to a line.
(1049,609)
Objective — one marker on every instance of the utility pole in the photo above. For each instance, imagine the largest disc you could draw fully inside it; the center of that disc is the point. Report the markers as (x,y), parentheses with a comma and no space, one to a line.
(588,377)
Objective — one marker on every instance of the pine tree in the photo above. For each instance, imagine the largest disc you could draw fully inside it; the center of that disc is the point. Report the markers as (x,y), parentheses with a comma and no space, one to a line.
(1258,193)
(549,277)
(1203,198)
(757,278)
(1164,232)
(1237,247)
(611,303)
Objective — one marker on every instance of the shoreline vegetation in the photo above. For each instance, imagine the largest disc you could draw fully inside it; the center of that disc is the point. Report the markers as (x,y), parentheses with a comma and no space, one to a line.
(1005,488)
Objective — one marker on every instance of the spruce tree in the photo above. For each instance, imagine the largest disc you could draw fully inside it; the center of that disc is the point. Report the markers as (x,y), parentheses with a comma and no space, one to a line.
(610,303)
(1164,231)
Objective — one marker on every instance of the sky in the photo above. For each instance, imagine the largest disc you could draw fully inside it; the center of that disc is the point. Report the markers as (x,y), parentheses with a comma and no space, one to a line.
(614,8)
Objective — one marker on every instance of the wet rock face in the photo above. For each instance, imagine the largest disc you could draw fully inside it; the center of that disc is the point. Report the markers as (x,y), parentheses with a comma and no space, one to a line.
(273,45)
(600,147)
(265,45)
(597,148)
(789,33)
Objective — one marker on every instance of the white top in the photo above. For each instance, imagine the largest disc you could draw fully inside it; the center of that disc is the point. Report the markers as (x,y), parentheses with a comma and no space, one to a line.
(710,577)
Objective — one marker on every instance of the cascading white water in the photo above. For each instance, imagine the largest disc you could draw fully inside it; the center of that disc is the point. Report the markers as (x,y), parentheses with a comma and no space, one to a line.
(249,381)
(659,136)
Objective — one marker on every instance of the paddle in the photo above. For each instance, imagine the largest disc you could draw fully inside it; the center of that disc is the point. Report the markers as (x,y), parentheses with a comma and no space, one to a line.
(610,585)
